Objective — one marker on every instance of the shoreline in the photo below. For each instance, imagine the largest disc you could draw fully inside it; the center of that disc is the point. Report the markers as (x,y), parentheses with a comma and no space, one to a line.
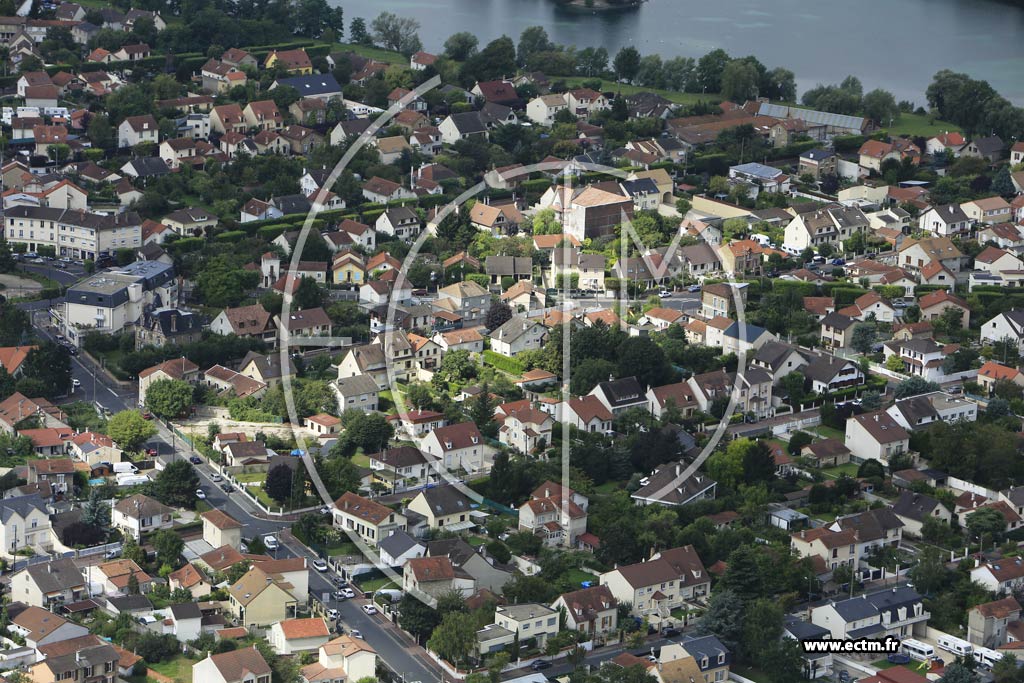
(596,6)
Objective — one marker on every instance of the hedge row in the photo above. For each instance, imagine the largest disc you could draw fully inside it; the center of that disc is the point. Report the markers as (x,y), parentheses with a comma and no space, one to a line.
(503,363)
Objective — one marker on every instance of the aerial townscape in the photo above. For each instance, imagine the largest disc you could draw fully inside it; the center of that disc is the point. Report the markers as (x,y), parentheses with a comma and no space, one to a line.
(328,359)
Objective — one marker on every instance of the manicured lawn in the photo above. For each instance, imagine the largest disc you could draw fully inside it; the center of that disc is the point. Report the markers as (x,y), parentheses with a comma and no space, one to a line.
(915,124)
(373,52)
(361,459)
(828,432)
(476,541)
(578,576)
(377,584)
(849,469)
(670,95)
(607,487)
(343,549)
(751,673)
(249,477)
(177,669)
(916,667)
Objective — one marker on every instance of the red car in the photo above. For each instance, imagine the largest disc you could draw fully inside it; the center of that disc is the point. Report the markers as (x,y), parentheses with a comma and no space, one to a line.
(151,452)
(147,415)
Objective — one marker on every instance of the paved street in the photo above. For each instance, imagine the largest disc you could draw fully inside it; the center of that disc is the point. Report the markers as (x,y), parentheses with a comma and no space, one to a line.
(402,655)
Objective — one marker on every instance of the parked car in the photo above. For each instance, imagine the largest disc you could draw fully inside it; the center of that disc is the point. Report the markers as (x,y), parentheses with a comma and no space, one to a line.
(340,595)
(152,452)
(333,614)
(147,415)
(319,565)
(693,288)
(195,460)
(200,494)
(356,634)
(216,476)
(348,593)
(369,609)
(540,664)
(226,487)
(670,632)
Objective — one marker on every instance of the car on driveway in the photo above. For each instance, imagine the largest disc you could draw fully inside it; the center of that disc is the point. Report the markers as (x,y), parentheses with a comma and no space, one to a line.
(369,609)
(319,565)
(200,494)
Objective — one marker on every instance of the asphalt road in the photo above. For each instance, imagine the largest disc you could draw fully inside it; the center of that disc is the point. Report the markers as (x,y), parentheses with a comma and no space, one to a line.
(68,274)
(404,658)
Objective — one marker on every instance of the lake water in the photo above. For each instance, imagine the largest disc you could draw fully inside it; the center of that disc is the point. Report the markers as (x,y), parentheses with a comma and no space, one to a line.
(893,44)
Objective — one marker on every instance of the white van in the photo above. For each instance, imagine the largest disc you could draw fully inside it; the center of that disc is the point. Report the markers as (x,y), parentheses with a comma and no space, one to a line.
(763,240)
(915,649)
(986,658)
(957,646)
(125,468)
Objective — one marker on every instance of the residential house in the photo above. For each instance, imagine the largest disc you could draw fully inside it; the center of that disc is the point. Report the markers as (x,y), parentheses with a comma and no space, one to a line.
(258,599)
(136,129)
(588,413)
(898,612)
(555,513)
(668,580)
(245,665)
(674,485)
(517,335)
(875,436)
(25,526)
(341,660)
(914,508)
(459,447)
(298,636)
(405,467)
(140,513)
(190,578)
(435,576)
(1002,577)
(444,507)
(589,611)
(1008,325)
(988,211)
(220,529)
(368,519)
(934,304)
(619,395)
(49,584)
(987,624)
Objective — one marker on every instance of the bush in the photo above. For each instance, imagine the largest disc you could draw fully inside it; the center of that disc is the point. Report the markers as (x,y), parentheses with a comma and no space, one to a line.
(503,363)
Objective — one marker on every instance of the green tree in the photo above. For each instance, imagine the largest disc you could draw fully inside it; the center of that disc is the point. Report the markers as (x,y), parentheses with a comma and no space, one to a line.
(393,32)
(497,315)
(762,627)
(50,365)
(986,523)
(710,68)
(880,107)
(958,672)
(169,398)
(357,32)
(130,550)
(1007,670)
(627,63)
(7,262)
(176,484)
(797,441)
(168,546)
(129,430)
(895,363)
(455,638)
(723,618)
(460,46)
(863,338)
(794,386)
(739,81)
(417,617)
(532,40)
(913,386)
(96,512)
(278,484)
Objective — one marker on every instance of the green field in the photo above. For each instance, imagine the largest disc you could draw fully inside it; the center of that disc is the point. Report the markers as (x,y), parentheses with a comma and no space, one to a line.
(249,477)
(377,53)
(849,469)
(920,125)
(177,669)
(626,89)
